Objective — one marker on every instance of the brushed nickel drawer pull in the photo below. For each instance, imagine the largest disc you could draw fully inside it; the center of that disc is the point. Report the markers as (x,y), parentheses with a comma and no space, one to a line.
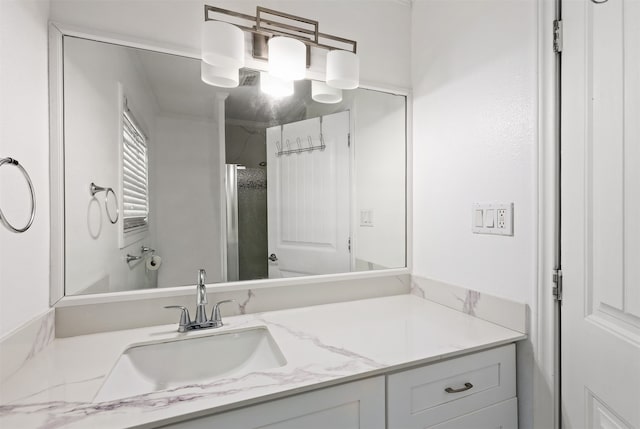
(467,386)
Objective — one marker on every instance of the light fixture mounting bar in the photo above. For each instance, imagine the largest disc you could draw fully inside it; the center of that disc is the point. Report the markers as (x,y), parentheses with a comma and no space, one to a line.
(268,23)
(263,22)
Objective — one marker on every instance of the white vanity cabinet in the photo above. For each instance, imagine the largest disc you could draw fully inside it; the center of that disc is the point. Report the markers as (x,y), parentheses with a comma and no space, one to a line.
(356,405)
(474,391)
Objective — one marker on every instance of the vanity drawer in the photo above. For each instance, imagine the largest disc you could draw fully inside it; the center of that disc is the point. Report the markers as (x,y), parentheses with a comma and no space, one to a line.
(432,394)
(503,415)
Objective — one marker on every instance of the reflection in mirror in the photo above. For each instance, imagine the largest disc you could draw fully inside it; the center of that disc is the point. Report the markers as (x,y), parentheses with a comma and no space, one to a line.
(240,183)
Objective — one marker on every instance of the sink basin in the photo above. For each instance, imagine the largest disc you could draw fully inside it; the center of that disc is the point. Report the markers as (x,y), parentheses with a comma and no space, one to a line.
(165,365)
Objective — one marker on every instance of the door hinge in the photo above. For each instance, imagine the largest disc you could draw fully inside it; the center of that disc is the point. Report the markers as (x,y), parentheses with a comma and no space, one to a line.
(348,139)
(349,244)
(557,36)
(557,289)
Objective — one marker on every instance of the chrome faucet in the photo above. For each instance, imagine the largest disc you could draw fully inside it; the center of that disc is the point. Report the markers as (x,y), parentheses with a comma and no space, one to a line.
(201,321)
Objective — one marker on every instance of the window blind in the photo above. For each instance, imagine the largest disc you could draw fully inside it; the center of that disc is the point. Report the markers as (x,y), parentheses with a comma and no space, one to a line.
(135,169)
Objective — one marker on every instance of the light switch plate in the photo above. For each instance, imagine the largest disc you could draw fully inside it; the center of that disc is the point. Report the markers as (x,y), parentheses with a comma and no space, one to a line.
(498,218)
(366,217)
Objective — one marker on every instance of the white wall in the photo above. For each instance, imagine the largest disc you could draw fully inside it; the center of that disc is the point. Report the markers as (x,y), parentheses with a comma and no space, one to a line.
(186,215)
(475,141)
(24,135)
(380,156)
(92,109)
(245,144)
(381,28)
(474,73)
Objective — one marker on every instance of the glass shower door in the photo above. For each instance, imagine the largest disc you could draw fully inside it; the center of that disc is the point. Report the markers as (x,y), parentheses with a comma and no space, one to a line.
(246,223)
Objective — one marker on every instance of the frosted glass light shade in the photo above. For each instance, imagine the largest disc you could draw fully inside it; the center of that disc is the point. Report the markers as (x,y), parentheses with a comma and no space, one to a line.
(219,76)
(343,69)
(222,44)
(275,86)
(323,93)
(287,58)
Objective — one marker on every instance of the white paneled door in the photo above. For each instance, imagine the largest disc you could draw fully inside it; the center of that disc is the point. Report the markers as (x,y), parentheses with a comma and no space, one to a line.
(308,197)
(601,214)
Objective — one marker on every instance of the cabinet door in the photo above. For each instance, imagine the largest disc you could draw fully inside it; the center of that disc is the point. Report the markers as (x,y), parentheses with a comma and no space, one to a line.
(357,405)
(499,416)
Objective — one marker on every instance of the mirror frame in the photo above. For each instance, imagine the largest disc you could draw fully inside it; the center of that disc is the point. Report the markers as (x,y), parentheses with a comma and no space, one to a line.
(56,165)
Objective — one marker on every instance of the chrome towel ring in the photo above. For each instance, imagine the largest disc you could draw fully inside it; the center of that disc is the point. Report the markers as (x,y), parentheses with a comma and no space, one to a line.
(94,189)
(4,220)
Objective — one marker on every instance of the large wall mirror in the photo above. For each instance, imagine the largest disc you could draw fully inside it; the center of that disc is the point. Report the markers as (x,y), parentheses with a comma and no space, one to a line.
(164,175)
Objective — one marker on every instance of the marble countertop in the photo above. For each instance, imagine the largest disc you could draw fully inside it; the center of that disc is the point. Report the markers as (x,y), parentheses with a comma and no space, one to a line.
(323,345)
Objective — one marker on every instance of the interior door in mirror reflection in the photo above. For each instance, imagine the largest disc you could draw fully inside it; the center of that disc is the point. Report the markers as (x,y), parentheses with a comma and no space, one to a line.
(308,197)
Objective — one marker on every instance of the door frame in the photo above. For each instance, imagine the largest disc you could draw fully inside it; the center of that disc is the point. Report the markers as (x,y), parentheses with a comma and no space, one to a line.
(545,332)
(582,385)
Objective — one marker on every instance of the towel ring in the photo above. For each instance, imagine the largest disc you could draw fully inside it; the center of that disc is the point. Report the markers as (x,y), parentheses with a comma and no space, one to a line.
(94,189)
(4,220)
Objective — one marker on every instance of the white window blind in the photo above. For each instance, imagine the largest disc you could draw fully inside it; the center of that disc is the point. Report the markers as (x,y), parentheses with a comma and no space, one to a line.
(135,173)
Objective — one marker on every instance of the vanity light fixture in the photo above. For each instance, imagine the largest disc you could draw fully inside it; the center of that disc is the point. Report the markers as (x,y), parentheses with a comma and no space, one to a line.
(283,39)
(343,70)
(222,53)
(222,44)
(219,76)
(323,93)
(287,58)
(274,86)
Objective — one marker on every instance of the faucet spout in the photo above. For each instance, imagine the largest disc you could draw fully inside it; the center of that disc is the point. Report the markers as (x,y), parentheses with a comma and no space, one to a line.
(202,289)
(201,299)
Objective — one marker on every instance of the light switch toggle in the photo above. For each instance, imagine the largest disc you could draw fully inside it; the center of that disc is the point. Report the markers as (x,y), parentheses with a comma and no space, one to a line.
(489,216)
(479,221)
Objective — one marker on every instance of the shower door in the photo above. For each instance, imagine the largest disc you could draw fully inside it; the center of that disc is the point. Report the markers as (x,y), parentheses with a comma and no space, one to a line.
(246,222)
(600,234)
(308,197)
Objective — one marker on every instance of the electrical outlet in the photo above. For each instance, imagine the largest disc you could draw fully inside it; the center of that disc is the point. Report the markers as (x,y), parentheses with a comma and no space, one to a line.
(502,218)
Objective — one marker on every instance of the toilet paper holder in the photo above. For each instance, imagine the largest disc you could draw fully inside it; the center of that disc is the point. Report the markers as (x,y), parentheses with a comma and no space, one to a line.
(144,251)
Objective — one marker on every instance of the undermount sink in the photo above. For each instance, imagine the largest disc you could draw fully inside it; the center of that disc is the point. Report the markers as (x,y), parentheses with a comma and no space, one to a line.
(164,365)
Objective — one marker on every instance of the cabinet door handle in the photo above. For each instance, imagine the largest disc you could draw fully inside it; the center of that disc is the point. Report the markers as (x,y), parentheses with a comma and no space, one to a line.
(466,387)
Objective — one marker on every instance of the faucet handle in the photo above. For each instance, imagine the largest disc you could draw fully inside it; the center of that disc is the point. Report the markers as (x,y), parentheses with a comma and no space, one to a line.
(215,313)
(185,320)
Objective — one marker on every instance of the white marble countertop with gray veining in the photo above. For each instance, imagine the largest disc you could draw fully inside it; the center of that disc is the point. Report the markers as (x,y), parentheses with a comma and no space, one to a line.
(323,345)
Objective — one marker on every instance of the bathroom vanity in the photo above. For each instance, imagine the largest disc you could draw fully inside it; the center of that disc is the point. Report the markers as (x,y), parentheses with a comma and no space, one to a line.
(421,397)
(396,362)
